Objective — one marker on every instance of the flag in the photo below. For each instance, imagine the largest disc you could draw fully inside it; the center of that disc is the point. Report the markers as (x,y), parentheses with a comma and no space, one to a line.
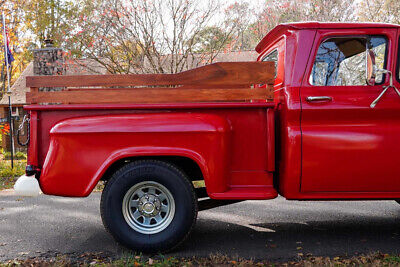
(8,57)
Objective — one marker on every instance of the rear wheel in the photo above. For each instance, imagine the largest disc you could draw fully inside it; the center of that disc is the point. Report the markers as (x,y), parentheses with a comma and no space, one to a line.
(149,206)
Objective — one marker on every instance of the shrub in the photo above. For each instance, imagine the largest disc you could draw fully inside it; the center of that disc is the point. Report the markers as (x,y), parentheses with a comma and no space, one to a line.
(8,175)
(20,155)
(6,171)
(17,155)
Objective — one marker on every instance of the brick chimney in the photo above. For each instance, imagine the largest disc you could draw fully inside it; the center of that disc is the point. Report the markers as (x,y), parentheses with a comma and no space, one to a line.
(49,61)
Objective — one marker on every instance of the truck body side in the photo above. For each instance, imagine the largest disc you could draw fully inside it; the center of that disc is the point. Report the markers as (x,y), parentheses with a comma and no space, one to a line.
(75,147)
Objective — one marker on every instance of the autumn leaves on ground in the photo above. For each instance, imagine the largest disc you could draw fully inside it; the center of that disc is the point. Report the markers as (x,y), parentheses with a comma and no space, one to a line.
(87,259)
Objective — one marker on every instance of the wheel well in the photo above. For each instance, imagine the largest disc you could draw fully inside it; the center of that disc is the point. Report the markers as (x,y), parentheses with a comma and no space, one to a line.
(187,165)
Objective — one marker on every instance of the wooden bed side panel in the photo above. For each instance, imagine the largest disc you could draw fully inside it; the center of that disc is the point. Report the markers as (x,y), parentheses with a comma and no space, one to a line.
(222,73)
(148,95)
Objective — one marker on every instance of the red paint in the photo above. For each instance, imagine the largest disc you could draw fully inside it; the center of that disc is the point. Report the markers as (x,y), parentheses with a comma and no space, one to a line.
(341,149)
(217,105)
(356,143)
(216,138)
(247,192)
(33,145)
(271,140)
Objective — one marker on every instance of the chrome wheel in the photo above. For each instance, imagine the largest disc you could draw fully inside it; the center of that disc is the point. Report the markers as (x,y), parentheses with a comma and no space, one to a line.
(148,207)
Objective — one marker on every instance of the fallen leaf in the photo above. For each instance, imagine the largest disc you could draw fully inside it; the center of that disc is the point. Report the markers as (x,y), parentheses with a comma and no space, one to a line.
(300,254)
(137,257)
(336,258)
(298,248)
(150,261)
(137,263)
(234,262)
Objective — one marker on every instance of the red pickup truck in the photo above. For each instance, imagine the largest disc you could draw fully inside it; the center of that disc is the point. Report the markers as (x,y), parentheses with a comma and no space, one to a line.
(330,133)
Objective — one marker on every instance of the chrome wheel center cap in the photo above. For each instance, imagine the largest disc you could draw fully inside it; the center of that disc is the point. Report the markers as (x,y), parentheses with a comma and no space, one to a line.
(149,205)
(148,208)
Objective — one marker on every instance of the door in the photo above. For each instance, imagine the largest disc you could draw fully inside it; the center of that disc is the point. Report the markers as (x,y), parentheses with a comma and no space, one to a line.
(347,146)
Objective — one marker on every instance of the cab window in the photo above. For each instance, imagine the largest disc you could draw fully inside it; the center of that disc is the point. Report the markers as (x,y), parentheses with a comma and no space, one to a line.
(272,56)
(341,60)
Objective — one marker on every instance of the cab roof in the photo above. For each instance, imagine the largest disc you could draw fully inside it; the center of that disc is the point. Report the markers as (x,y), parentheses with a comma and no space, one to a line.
(281,28)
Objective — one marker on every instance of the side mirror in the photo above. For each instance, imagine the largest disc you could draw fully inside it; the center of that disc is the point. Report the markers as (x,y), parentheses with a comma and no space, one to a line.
(370,67)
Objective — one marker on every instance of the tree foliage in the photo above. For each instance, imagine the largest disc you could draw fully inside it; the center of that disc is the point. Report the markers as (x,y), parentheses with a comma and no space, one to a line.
(166,36)
(15,24)
(151,36)
(383,11)
(50,19)
(210,39)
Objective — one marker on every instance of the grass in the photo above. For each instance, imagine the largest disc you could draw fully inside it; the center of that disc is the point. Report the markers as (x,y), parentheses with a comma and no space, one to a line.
(87,259)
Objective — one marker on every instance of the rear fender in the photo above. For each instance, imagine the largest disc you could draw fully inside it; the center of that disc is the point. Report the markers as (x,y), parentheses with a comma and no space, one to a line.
(82,149)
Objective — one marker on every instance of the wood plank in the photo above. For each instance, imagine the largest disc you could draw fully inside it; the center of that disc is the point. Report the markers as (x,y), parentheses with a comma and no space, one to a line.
(184,87)
(34,90)
(222,73)
(148,95)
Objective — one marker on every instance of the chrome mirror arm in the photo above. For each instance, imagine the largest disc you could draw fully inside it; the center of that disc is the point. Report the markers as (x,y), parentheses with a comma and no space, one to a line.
(373,104)
(385,88)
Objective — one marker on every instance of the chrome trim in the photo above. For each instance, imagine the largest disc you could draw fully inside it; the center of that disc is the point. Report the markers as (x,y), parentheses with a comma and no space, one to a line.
(318,98)
(148,207)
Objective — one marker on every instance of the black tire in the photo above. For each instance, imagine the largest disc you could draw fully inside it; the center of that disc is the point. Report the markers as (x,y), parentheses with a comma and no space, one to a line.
(398,201)
(165,174)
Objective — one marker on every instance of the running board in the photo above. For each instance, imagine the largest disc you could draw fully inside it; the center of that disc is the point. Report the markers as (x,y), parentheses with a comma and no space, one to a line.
(247,192)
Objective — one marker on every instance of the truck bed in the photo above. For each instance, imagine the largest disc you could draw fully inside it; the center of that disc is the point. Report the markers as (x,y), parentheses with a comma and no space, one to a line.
(74,145)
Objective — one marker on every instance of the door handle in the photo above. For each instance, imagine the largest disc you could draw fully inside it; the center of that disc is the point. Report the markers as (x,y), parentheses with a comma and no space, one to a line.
(318,98)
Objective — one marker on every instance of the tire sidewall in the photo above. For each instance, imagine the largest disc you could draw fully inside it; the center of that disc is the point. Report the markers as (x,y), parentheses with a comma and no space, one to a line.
(174,181)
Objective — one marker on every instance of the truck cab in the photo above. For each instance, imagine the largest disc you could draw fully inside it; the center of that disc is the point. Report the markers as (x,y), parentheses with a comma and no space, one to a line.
(332,143)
